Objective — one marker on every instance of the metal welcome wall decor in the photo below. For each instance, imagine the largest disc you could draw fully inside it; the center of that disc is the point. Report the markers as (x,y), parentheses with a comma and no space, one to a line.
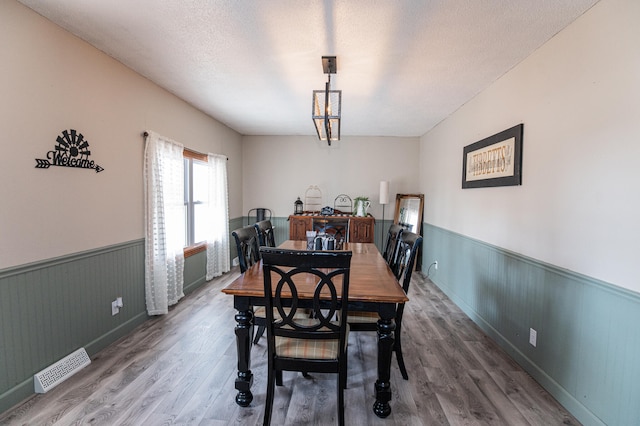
(72,150)
(494,161)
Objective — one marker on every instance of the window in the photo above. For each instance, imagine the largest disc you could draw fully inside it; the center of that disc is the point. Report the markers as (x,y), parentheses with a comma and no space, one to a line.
(173,220)
(196,201)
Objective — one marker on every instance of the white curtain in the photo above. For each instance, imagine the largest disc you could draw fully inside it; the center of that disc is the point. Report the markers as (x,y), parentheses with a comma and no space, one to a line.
(218,231)
(164,221)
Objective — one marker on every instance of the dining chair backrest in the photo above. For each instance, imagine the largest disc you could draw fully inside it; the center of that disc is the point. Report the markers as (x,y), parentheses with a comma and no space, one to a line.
(390,249)
(407,250)
(247,246)
(266,237)
(327,271)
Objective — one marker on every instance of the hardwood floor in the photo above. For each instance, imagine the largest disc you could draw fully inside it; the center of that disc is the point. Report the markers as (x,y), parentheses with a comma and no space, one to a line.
(179,369)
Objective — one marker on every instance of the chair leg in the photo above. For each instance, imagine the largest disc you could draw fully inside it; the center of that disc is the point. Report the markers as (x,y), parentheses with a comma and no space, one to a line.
(343,374)
(403,369)
(279,377)
(268,404)
(259,334)
(397,348)
(342,378)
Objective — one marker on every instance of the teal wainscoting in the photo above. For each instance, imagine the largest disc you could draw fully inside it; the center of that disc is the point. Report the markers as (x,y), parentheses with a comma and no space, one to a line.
(381,238)
(49,309)
(588,334)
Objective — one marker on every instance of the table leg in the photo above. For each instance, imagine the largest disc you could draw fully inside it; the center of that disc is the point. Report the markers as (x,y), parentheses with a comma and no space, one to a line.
(386,329)
(244,320)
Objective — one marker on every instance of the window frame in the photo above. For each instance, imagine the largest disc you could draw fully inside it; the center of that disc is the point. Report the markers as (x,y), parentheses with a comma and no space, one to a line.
(190,155)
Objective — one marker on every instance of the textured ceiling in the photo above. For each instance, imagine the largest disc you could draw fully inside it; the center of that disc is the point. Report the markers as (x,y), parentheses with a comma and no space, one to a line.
(403,65)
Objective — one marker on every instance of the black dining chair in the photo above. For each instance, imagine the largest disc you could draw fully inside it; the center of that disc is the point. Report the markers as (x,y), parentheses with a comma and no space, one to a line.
(391,246)
(296,343)
(247,245)
(246,239)
(264,230)
(266,236)
(408,244)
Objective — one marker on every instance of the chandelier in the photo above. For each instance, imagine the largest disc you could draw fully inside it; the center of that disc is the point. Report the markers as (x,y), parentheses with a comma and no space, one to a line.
(326,105)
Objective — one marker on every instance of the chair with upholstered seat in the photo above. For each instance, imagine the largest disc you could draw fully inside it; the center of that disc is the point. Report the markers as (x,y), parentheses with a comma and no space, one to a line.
(407,248)
(296,343)
(264,228)
(266,238)
(391,247)
(247,245)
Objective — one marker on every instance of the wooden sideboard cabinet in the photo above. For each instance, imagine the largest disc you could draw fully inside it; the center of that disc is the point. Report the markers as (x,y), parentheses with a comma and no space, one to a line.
(361,229)
(298,227)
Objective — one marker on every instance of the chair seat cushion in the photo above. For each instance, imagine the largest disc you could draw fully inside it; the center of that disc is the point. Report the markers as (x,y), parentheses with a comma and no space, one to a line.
(307,348)
(288,347)
(261,312)
(354,317)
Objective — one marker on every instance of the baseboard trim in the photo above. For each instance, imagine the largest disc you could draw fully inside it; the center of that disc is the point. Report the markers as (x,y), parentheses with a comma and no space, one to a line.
(566,399)
(24,390)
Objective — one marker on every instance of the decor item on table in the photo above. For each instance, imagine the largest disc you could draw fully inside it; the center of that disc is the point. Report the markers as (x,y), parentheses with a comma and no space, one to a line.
(311,237)
(324,242)
(297,206)
(327,211)
(361,204)
(313,199)
(494,161)
(343,203)
(326,105)
(384,199)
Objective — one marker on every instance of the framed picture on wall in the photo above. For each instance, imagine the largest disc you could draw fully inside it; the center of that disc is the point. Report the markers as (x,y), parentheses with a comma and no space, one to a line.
(494,161)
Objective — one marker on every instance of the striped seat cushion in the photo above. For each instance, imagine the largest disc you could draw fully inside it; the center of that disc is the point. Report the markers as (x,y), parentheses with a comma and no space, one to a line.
(288,347)
(261,312)
(307,348)
(362,317)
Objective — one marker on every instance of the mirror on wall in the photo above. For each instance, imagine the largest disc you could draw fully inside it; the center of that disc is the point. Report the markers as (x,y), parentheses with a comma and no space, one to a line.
(409,211)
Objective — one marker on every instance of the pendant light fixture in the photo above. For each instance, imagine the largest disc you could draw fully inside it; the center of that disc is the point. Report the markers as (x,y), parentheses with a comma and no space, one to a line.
(327,105)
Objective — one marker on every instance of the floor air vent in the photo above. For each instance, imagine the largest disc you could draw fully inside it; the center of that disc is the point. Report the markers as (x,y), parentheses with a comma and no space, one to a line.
(57,373)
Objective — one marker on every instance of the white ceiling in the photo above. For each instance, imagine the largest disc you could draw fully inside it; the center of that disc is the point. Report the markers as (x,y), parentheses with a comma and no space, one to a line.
(403,65)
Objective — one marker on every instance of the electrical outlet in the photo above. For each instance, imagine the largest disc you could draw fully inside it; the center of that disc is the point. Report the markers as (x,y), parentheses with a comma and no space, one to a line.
(533,337)
(115,309)
(119,302)
(435,265)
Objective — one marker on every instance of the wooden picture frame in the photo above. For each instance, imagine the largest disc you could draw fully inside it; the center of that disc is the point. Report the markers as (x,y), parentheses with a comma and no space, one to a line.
(494,161)
(408,214)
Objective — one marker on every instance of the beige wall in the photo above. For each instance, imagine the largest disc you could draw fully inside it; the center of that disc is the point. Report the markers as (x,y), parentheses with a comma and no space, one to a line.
(51,81)
(579,99)
(278,169)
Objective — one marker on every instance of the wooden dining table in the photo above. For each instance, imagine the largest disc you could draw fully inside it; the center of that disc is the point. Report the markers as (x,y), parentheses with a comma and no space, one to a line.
(372,287)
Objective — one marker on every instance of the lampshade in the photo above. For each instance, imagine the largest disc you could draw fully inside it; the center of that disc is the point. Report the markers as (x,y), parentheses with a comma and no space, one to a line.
(384,192)
(327,105)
